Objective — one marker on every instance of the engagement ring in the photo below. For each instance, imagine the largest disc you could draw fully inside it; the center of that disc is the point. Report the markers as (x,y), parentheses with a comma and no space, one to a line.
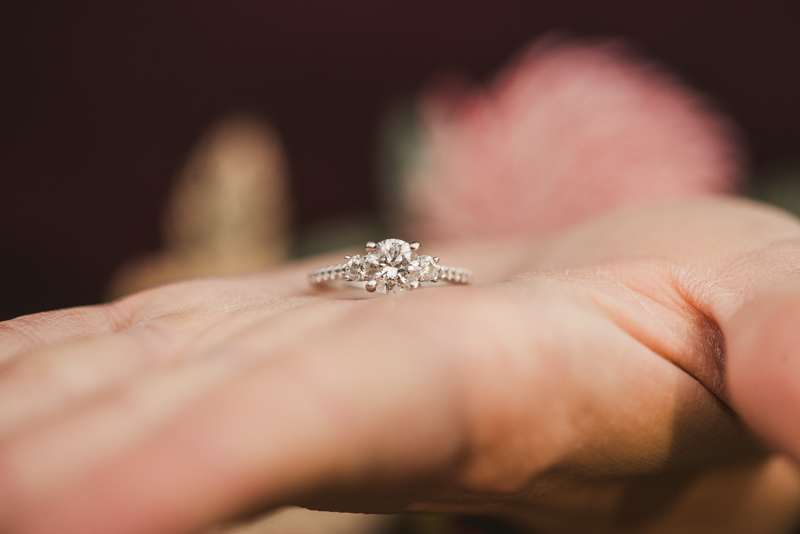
(391,266)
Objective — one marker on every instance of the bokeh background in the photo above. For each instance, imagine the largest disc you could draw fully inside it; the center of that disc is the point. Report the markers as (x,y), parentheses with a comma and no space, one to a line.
(100,103)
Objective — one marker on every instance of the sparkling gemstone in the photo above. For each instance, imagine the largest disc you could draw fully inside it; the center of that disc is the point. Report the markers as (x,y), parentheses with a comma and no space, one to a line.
(354,271)
(393,265)
(428,269)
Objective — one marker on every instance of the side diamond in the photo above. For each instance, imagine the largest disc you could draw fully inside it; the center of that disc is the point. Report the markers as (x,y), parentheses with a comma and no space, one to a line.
(354,270)
(428,269)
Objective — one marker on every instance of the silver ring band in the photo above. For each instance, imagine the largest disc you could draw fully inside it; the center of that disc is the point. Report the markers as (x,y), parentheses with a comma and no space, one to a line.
(332,273)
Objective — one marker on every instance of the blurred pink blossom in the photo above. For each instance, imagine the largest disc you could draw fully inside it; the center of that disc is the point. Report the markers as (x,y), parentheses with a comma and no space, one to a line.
(567,132)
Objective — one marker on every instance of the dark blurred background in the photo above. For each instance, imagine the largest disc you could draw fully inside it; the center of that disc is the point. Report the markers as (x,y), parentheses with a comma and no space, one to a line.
(100,102)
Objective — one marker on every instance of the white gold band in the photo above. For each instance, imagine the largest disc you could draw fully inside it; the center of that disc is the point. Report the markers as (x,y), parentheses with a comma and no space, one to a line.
(332,273)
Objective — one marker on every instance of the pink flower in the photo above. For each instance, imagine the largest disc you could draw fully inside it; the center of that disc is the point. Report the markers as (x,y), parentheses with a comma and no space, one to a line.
(567,132)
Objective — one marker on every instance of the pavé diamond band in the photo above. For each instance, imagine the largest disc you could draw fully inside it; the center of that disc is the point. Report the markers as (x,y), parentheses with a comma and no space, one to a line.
(391,266)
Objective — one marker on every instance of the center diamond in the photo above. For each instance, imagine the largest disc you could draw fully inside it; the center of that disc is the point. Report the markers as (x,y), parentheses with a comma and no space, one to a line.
(393,265)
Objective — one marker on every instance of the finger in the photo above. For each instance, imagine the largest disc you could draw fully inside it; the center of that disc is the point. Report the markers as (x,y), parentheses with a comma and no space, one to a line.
(763,341)
(59,377)
(756,301)
(30,332)
(491,261)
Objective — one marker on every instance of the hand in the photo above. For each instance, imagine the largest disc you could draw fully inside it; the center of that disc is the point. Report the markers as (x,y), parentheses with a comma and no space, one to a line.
(582,384)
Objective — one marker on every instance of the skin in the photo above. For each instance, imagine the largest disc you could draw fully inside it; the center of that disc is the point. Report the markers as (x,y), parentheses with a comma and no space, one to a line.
(590,383)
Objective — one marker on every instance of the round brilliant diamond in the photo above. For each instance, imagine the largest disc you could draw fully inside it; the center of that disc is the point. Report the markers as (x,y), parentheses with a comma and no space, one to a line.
(393,265)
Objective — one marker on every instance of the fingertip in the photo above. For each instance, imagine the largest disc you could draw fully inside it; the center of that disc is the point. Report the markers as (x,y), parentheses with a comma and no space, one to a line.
(763,342)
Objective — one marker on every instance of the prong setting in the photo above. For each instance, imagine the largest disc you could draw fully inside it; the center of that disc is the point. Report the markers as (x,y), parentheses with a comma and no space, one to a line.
(372,285)
(415,245)
(371,246)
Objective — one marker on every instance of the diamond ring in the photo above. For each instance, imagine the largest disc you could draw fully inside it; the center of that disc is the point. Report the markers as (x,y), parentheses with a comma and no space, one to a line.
(391,266)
